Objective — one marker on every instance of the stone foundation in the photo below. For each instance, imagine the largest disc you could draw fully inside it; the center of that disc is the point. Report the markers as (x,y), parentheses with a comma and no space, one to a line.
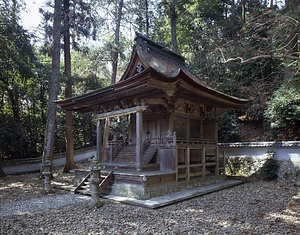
(141,189)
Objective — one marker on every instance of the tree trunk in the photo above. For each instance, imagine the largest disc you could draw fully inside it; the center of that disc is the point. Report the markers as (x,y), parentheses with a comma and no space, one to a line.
(70,163)
(147,17)
(292,39)
(173,18)
(117,44)
(54,86)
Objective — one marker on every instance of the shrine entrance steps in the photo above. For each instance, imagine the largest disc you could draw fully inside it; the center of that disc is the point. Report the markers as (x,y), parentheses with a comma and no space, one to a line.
(126,159)
(127,155)
(104,185)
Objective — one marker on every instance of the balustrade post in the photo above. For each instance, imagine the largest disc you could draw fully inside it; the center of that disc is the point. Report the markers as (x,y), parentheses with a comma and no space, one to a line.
(174,138)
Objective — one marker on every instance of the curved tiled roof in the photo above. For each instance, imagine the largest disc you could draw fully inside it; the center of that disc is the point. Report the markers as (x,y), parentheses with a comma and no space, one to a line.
(155,70)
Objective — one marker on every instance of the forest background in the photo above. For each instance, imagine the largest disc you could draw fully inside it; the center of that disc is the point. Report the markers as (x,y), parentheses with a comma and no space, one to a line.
(245,48)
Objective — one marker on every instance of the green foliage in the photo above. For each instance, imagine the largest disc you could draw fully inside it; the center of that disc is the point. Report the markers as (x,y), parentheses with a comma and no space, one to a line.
(270,169)
(228,128)
(23,82)
(266,169)
(283,110)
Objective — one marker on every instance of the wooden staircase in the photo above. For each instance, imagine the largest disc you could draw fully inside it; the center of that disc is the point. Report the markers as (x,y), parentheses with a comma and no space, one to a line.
(104,186)
(126,158)
(126,155)
(149,154)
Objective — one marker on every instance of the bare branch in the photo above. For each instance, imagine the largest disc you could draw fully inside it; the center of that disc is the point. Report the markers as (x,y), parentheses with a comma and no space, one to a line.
(242,60)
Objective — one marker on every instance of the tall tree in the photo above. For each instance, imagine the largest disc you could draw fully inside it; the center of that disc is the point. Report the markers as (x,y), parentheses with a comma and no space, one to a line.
(173,20)
(70,163)
(116,51)
(53,92)
(79,21)
(171,25)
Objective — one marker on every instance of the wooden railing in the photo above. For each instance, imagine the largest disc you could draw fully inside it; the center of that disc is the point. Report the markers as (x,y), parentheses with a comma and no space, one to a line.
(146,144)
(170,139)
(196,141)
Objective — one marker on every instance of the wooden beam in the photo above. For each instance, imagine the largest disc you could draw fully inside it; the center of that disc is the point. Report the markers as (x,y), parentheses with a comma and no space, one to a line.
(120,112)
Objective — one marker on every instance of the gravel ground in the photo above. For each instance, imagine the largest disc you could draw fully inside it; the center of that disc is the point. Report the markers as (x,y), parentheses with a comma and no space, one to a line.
(256,207)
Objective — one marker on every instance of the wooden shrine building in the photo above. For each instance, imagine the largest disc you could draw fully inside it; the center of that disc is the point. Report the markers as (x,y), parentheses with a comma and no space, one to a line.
(170,144)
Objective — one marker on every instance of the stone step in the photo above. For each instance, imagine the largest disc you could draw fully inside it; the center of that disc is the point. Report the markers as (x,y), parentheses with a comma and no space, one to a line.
(85,192)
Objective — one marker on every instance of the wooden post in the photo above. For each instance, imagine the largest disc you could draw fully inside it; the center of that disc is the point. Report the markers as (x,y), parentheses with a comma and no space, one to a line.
(174,139)
(187,164)
(99,141)
(139,140)
(105,139)
(217,171)
(203,162)
(158,135)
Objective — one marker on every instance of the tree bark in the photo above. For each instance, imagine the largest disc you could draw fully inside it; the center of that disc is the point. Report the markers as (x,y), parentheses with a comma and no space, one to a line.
(292,39)
(117,43)
(70,163)
(54,86)
(173,18)
(147,17)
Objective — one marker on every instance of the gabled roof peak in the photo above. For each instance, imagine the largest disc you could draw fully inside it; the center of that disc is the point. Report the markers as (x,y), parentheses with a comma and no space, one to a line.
(146,42)
(149,54)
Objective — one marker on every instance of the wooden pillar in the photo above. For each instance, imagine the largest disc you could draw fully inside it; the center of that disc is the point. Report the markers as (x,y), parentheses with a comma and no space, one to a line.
(139,140)
(158,135)
(99,141)
(203,162)
(187,163)
(105,139)
(130,129)
(217,171)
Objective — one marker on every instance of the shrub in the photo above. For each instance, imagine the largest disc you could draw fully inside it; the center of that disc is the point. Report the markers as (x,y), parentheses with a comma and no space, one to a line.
(283,111)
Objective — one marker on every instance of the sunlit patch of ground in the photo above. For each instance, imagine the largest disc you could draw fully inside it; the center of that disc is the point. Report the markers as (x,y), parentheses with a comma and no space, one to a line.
(14,187)
(22,186)
(289,215)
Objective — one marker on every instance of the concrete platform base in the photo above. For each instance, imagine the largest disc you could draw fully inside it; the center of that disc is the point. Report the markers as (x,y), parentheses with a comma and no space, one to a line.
(172,198)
